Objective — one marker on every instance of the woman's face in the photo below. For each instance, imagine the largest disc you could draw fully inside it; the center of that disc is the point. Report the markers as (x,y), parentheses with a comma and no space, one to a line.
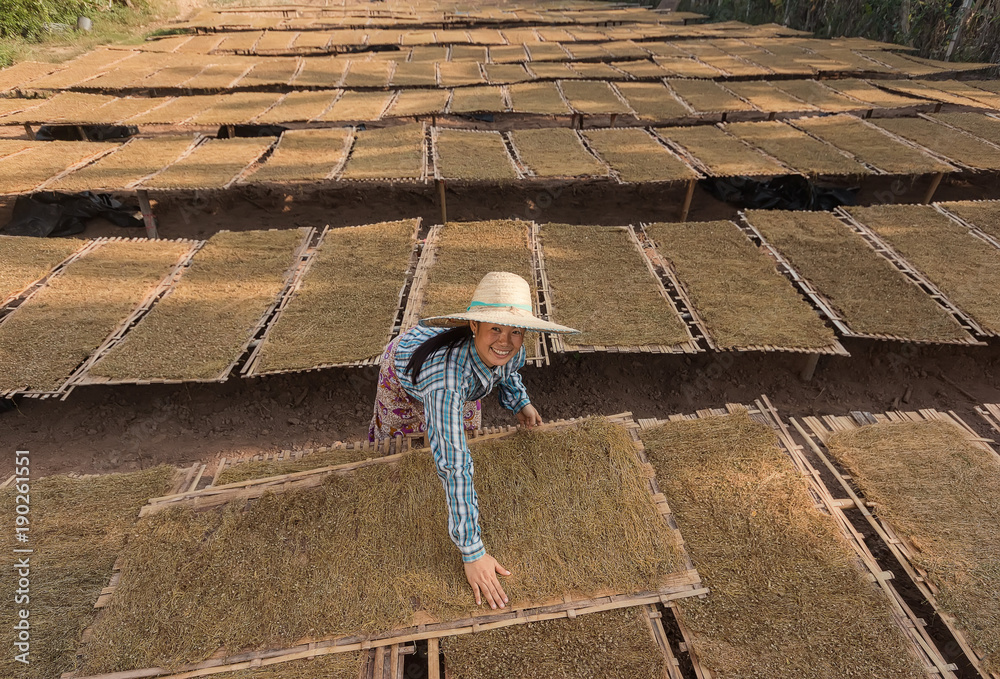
(496,344)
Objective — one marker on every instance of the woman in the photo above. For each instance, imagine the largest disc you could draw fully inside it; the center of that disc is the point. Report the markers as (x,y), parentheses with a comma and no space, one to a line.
(431,379)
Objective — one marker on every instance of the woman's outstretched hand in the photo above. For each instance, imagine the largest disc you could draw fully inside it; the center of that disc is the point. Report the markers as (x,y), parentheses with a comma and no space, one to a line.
(529,417)
(482,576)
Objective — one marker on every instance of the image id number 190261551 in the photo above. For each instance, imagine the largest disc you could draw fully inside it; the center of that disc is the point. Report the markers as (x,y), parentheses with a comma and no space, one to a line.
(22,556)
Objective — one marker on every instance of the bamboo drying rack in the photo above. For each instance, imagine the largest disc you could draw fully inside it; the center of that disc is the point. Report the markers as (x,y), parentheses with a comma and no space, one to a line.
(418,290)
(973,229)
(828,309)
(680,584)
(920,642)
(18,297)
(152,296)
(886,250)
(817,431)
(666,270)
(299,257)
(559,345)
(252,366)
(991,413)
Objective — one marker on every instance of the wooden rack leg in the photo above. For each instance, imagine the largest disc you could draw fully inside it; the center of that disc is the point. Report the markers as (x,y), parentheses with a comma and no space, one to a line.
(810,367)
(394,667)
(29,131)
(147,214)
(433,661)
(687,199)
(935,183)
(443,201)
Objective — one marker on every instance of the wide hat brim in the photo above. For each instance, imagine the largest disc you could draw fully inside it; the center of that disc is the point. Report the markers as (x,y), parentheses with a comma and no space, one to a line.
(506,315)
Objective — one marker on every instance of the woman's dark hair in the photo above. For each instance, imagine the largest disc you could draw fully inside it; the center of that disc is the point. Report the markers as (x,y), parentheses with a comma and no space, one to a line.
(450,338)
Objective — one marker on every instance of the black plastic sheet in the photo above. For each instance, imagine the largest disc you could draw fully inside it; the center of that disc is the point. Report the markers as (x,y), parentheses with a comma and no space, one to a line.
(781,193)
(250,131)
(50,214)
(90,132)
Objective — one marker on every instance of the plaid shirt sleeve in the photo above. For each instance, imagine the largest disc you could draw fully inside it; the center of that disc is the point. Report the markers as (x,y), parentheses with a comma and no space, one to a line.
(510,389)
(443,410)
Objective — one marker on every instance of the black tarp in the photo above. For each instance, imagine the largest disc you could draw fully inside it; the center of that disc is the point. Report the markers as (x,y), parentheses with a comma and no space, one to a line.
(59,214)
(90,132)
(782,193)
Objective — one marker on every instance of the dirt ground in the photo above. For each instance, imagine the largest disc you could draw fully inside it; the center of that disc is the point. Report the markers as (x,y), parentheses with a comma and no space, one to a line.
(102,429)
(201,214)
(118,428)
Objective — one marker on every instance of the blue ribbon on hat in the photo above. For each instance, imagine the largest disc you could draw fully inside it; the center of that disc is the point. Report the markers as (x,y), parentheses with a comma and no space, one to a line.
(523,307)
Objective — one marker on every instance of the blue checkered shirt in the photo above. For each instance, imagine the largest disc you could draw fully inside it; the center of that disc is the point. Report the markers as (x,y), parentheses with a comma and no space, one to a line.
(444,385)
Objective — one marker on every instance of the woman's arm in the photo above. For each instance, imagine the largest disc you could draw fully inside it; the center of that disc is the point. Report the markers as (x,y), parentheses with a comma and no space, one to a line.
(510,389)
(514,397)
(443,410)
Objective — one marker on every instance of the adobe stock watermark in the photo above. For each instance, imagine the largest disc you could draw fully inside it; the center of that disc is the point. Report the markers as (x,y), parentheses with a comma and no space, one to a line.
(542,201)
(22,556)
(897,189)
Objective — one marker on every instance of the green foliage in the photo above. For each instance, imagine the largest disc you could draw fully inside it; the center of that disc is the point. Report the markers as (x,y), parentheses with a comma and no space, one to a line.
(27,18)
(927,25)
(980,39)
(22,18)
(162,32)
(23,36)
(11,51)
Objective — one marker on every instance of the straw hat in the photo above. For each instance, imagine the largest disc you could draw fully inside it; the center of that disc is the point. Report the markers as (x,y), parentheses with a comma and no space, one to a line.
(502,298)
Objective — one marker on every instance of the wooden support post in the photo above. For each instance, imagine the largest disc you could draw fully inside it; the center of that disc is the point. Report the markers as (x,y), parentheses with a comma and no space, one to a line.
(82,132)
(810,367)
(379,671)
(935,183)
(433,660)
(687,199)
(394,668)
(147,214)
(614,117)
(29,131)
(443,201)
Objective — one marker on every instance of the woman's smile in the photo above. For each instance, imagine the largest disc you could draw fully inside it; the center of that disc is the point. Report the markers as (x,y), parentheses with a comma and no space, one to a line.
(501,353)
(496,344)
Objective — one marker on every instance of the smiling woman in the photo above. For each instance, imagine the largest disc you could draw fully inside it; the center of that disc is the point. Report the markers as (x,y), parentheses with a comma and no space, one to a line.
(431,380)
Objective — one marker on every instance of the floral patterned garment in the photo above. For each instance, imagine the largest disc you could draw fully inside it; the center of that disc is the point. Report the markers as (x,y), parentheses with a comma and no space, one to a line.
(399,414)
